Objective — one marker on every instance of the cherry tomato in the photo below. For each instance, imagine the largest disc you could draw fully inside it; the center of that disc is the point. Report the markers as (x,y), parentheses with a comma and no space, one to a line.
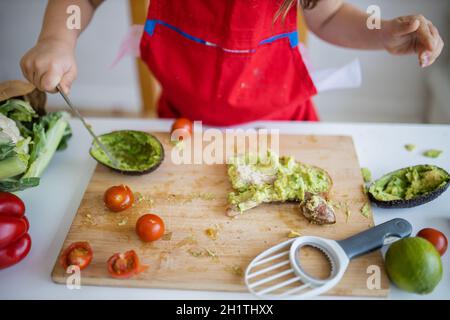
(437,238)
(125,265)
(15,252)
(77,254)
(182,129)
(11,205)
(118,198)
(11,229)
(150,227)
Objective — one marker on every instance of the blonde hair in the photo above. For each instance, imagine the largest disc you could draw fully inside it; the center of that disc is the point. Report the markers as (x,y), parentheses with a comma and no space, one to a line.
(288,4)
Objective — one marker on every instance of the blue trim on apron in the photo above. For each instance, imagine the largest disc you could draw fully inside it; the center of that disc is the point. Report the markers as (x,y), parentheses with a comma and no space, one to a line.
(150,26)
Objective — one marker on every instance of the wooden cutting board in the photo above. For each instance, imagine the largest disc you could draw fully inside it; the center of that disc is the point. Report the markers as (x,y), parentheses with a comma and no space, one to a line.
(192,199)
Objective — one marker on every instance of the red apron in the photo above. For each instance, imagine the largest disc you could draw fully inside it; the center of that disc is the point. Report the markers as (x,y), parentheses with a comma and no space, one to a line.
(225,62)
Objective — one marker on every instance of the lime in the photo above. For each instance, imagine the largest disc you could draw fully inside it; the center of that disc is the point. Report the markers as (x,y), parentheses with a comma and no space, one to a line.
(414,265)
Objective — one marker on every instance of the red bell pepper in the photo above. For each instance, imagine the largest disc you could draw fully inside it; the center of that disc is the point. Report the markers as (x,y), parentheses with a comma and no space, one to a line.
(11,205)
(15,242)
(15,252)
(11,229)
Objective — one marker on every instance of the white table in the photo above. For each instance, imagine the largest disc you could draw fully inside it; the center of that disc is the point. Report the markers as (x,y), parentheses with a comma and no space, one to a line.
(52,206)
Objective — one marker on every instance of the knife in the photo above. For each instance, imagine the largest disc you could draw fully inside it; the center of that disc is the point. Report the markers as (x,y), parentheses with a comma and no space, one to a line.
(87,126)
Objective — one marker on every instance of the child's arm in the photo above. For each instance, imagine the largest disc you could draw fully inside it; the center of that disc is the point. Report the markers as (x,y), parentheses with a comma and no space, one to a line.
(342,24)
(52,61)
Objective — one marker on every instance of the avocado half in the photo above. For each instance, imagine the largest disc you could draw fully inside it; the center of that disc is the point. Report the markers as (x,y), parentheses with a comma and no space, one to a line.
(409,187)
(136,152)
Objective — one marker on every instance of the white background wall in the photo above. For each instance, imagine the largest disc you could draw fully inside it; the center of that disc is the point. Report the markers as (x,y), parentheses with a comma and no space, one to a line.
(393,89)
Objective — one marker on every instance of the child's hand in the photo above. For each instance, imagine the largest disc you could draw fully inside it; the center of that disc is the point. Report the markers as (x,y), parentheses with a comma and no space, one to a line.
(49,63)
(413,34)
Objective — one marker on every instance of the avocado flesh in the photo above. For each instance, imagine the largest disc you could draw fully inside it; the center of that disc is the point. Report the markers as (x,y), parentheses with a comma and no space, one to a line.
(409,184)
(259,180)
(135,151)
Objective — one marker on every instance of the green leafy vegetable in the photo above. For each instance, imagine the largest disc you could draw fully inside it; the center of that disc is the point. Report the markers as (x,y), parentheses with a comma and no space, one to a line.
(27,143)
(48,133)
(21,113)
(6,146)
(13,185)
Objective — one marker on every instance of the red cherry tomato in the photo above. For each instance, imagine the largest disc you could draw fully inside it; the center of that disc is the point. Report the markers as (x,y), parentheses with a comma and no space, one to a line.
(77,254)
(181,129)
(118,198)
(11,229)
(150,227)
(125,265)
(15,252)
(437,238)
(11,205)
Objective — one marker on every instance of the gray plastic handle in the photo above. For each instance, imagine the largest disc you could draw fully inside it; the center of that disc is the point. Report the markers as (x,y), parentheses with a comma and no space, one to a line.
(376,237)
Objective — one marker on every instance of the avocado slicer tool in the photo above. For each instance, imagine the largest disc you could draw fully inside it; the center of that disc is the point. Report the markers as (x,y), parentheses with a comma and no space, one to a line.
(277,273)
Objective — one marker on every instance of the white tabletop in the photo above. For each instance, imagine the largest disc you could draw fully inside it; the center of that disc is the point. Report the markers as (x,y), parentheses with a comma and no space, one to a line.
(52,206)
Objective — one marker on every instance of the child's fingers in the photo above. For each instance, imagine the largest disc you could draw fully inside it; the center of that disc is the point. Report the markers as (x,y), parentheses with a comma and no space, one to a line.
(49,80)
(438,46)
(424,37)
(67,80)
(25,66)
(405,25)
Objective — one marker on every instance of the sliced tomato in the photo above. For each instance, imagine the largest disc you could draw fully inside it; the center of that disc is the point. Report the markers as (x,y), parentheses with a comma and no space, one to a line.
(77,254)
(125,265)
(118,198)
(11,205)
(15,252)
(437,238)
(11,229)
(181,129)
(150,227)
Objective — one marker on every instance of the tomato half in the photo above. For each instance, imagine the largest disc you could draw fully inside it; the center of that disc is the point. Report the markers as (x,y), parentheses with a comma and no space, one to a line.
(11,229)
(125,265)
(437,238)
(150,227)
(15,252)
(181,129)
(11,205)
(77,254)
(118,198)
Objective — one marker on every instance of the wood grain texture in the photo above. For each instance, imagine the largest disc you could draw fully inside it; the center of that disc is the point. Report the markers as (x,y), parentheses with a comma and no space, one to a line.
(192,198)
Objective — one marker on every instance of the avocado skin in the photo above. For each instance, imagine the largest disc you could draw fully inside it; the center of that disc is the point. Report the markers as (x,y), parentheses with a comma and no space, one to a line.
(401,204)
(137,173)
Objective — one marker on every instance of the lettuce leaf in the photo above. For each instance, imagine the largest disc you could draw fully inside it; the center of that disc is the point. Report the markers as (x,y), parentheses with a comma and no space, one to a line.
(21,112)
(28,143)
(48,134)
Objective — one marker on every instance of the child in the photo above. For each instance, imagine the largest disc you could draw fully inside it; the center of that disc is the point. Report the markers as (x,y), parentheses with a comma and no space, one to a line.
(228,62)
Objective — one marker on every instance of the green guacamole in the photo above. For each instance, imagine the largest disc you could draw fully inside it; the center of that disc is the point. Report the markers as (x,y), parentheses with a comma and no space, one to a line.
(135,151)
(257,180)
(409,183)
